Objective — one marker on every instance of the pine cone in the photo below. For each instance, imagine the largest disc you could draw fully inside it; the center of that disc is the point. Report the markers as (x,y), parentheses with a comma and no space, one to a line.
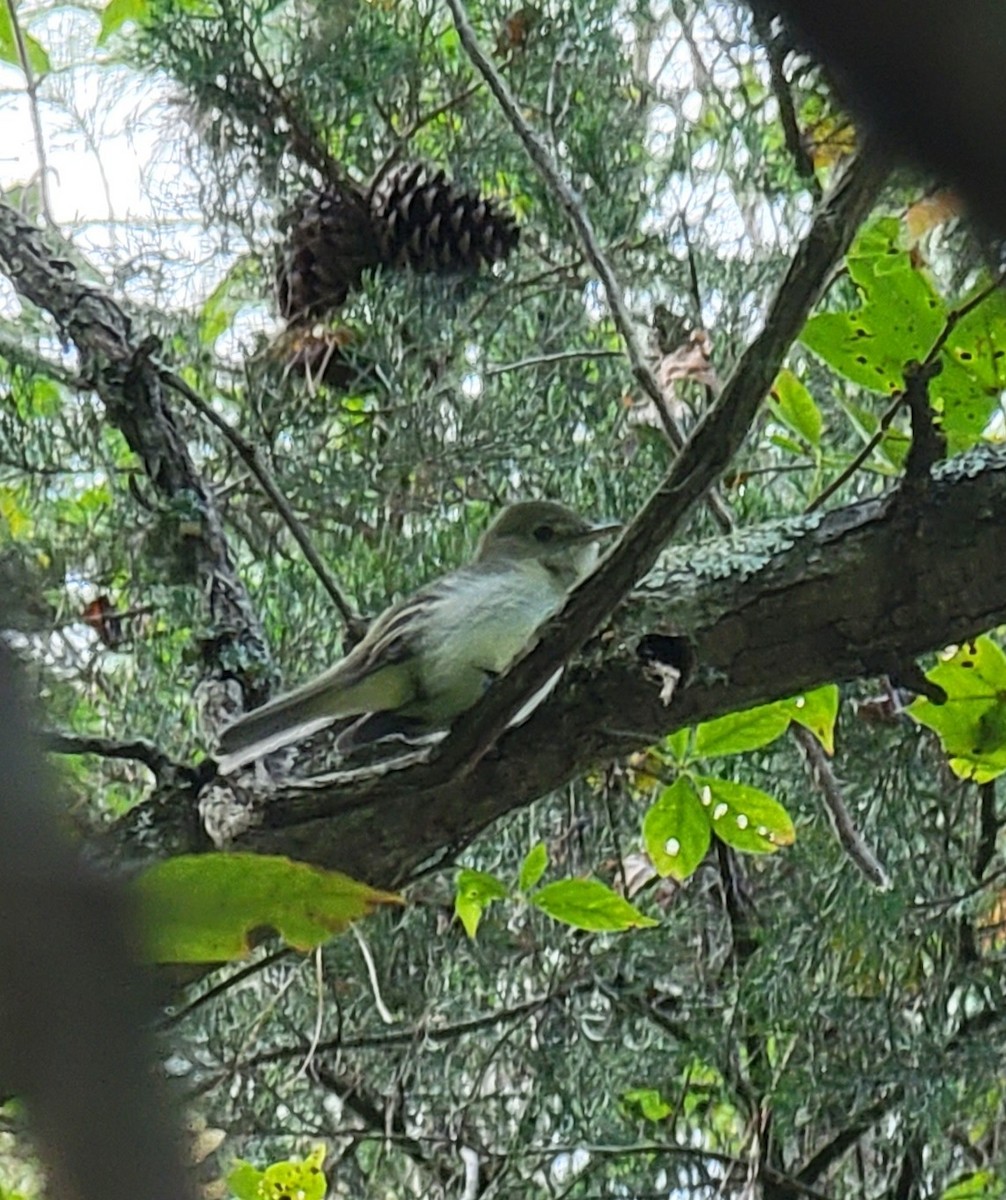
(330,242)
(425,222)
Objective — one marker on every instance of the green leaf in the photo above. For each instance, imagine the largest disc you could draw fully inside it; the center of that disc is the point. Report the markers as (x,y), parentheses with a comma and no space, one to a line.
(676,830)
(796,408)
(967,390)
(300,1178)
(38,58)
(972,723)
(818,712)
(117,13)
(676,744)
(651,1105)
(980,1185)
(745,817)
(899,319)
(226,300)
(740,732)
(245,1180)
(589,904)
(474,892)
(533,867)
(205,907)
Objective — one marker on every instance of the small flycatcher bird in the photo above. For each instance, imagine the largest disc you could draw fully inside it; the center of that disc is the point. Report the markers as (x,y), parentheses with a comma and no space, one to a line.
(428,658)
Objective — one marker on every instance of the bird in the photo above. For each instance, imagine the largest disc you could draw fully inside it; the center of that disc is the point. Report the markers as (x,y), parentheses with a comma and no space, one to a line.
(429,657)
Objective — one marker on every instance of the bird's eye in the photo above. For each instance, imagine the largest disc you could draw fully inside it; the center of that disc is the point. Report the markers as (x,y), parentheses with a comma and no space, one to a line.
(544,533)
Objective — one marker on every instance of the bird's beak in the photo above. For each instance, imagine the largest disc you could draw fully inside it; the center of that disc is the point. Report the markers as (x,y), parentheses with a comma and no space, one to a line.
(601,532)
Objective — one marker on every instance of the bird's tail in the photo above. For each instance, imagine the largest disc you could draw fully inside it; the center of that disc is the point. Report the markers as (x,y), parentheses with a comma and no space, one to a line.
(279,723)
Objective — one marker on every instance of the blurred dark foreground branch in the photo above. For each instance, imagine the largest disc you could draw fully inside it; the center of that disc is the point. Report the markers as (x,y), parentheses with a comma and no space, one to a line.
(73,1008)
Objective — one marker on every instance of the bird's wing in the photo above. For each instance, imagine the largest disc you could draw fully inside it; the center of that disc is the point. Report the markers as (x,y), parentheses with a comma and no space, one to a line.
(373,677)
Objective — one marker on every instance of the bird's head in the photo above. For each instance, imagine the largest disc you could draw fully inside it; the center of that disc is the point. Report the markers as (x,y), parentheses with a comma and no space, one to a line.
(561,540)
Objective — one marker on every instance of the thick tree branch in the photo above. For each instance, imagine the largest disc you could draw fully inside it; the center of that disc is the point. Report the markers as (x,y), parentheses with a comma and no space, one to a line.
(785,608)
(707,453)
(121,370)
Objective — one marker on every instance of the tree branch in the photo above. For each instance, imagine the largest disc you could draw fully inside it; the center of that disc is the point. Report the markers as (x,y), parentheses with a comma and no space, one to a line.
(123,373)
(709,450)
(165,769)
(792,606)
(575,210)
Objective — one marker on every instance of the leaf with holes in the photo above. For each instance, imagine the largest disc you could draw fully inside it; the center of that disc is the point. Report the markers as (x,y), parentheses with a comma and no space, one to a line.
(676,830)
(817,711)
(899,319)
(302,1178)
(745,817)
(972,723)
(210,907)
(967,390)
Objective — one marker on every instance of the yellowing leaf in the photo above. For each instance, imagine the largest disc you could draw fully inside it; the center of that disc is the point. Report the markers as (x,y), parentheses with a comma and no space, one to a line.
(745,817)
(204,907)
(817,711)
(300,1178)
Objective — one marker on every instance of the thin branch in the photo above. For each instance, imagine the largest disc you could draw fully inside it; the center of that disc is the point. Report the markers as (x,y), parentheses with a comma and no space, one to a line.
(137,749)
(709,451)
(954,317)
(849,837)
(864,453)
(15,352)
(225,985)
(31,90)
(776,53)
(543,360)
(250,456)
(419,1033)
(119,367)
(577,214)
(408,134)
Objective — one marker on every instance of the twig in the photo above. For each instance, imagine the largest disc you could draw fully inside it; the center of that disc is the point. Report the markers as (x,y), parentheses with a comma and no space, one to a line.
(31,90)
(138,749)
(864,453)
(574,208)
(954,317)
(250,456)
(710,449)
(543,360)
(776,53)
(404,138)
(218,989)
(849,837)
(988,829)
(12,349)
(929,444)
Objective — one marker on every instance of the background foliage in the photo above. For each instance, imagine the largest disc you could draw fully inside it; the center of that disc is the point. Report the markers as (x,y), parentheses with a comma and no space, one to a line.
(785,1019)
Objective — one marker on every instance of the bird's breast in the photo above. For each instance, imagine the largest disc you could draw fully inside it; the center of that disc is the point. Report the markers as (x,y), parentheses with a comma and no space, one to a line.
(483,623)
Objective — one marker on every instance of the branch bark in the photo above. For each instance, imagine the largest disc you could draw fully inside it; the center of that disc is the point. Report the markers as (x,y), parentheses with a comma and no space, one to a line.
(771,613)
(122,371)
